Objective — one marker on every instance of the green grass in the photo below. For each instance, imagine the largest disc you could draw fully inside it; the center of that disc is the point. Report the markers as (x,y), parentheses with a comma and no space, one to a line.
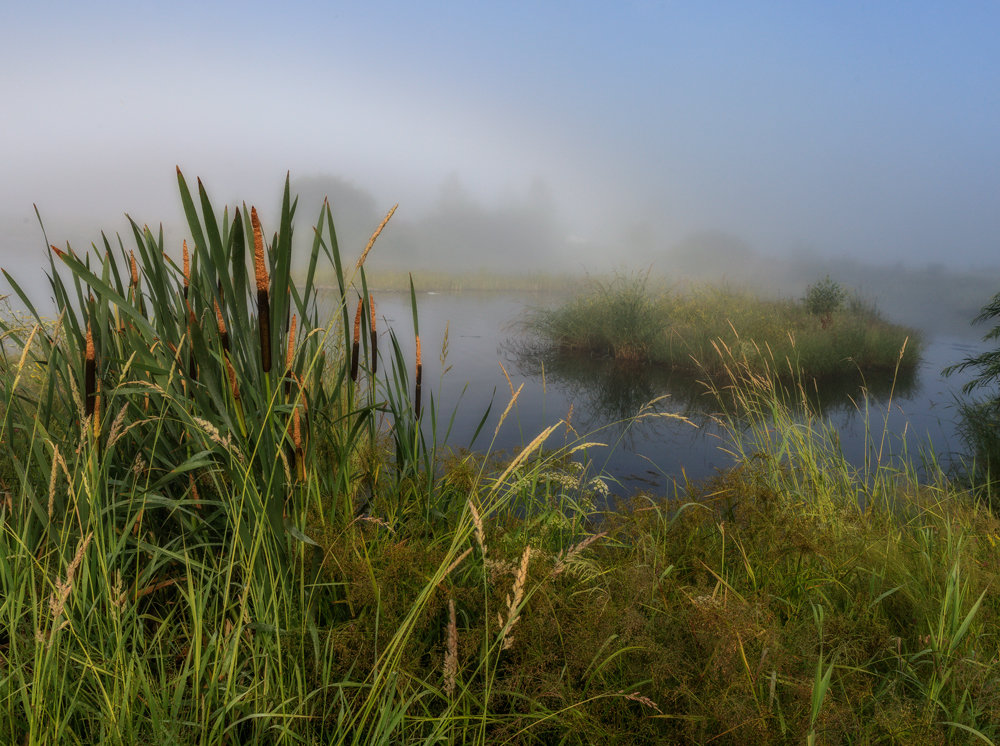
(184,568)
(630,318)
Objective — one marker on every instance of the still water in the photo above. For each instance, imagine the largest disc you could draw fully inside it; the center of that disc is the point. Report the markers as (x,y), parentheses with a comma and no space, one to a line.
(483,341)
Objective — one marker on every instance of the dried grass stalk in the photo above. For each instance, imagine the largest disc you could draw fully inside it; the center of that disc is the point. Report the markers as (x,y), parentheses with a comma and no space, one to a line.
(477,524)
(574,551)
(263,300)
(514,602)
(451,655)
(371,241)
(57,601)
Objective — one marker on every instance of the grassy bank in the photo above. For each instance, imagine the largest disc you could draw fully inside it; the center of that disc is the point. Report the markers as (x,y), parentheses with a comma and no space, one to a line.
(629,319)
(200,547)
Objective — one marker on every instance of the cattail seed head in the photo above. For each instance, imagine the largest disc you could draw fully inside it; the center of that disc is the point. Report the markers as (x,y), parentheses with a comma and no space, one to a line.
(135,269)
(233,383)
(89,374)
(221,322)
(290,354)
(186,265)
(419,378)
(290,358)
(259,265)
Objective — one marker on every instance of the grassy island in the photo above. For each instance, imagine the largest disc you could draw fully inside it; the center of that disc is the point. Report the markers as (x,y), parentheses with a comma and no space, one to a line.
(226,520)
(825,335)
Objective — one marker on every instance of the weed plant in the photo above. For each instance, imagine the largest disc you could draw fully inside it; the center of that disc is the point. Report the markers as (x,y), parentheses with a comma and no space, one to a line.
(195,548)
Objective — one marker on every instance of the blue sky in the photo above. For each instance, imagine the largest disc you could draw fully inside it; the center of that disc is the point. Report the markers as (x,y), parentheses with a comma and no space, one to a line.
(859,129)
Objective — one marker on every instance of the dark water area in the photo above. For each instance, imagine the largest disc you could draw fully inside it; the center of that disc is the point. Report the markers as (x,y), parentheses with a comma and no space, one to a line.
(483,341)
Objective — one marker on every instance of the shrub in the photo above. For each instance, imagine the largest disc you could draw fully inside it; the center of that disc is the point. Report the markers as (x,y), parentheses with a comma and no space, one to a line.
(824,298)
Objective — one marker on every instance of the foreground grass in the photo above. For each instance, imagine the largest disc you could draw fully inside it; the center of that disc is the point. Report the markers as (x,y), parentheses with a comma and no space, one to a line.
(628,319)
(182,564)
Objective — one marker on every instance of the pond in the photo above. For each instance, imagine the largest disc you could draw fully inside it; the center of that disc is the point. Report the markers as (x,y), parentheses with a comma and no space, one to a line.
(484,347)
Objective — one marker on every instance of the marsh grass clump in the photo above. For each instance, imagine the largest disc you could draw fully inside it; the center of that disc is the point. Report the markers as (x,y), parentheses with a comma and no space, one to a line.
(627,319)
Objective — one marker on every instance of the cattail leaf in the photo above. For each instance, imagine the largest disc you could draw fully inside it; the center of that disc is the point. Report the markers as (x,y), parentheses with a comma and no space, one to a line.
(194,224)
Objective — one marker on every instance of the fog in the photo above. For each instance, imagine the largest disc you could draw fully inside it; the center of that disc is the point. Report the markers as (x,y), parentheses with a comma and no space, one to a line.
(761,143)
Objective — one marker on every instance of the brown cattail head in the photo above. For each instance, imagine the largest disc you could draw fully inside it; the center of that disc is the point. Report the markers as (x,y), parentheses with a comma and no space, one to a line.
(223,333)
(135,269)
(297,428)
(419,377)
(263,302)
(300,455)
(97,411)
(186,265)
(374,334)
(259,265)
(233,383)
(89,375)
(355,347)
(290,357)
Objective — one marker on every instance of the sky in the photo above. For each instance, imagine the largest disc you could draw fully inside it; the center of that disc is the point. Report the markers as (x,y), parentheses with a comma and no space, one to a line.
(851,129)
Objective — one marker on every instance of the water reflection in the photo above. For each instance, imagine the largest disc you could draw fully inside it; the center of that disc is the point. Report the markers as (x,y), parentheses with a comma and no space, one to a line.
(611,390)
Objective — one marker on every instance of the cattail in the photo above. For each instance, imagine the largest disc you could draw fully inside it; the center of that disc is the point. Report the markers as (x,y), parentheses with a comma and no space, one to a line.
(371,309)
(192,322)
(97,412)
(300,457)
(263,301)
(186,263)
(355,347)
(233,384)
(223,333)
(89,375)
(135,269)
(419,377)
(451,655)
(290,358)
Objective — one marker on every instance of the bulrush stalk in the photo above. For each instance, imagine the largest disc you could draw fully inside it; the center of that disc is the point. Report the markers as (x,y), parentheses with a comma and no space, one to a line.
(263,300)
(355,347)
(419,377)
(290,358)
(186,265)
(371,310)
(89,375)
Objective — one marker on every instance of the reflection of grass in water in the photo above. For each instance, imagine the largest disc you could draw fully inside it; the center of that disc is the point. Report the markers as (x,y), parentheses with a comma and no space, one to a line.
(616,390)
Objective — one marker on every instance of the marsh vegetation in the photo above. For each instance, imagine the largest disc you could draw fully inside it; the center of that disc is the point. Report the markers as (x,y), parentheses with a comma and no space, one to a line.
(227,517)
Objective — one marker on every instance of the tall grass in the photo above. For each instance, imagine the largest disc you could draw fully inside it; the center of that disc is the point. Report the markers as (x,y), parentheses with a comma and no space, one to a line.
(219,553)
